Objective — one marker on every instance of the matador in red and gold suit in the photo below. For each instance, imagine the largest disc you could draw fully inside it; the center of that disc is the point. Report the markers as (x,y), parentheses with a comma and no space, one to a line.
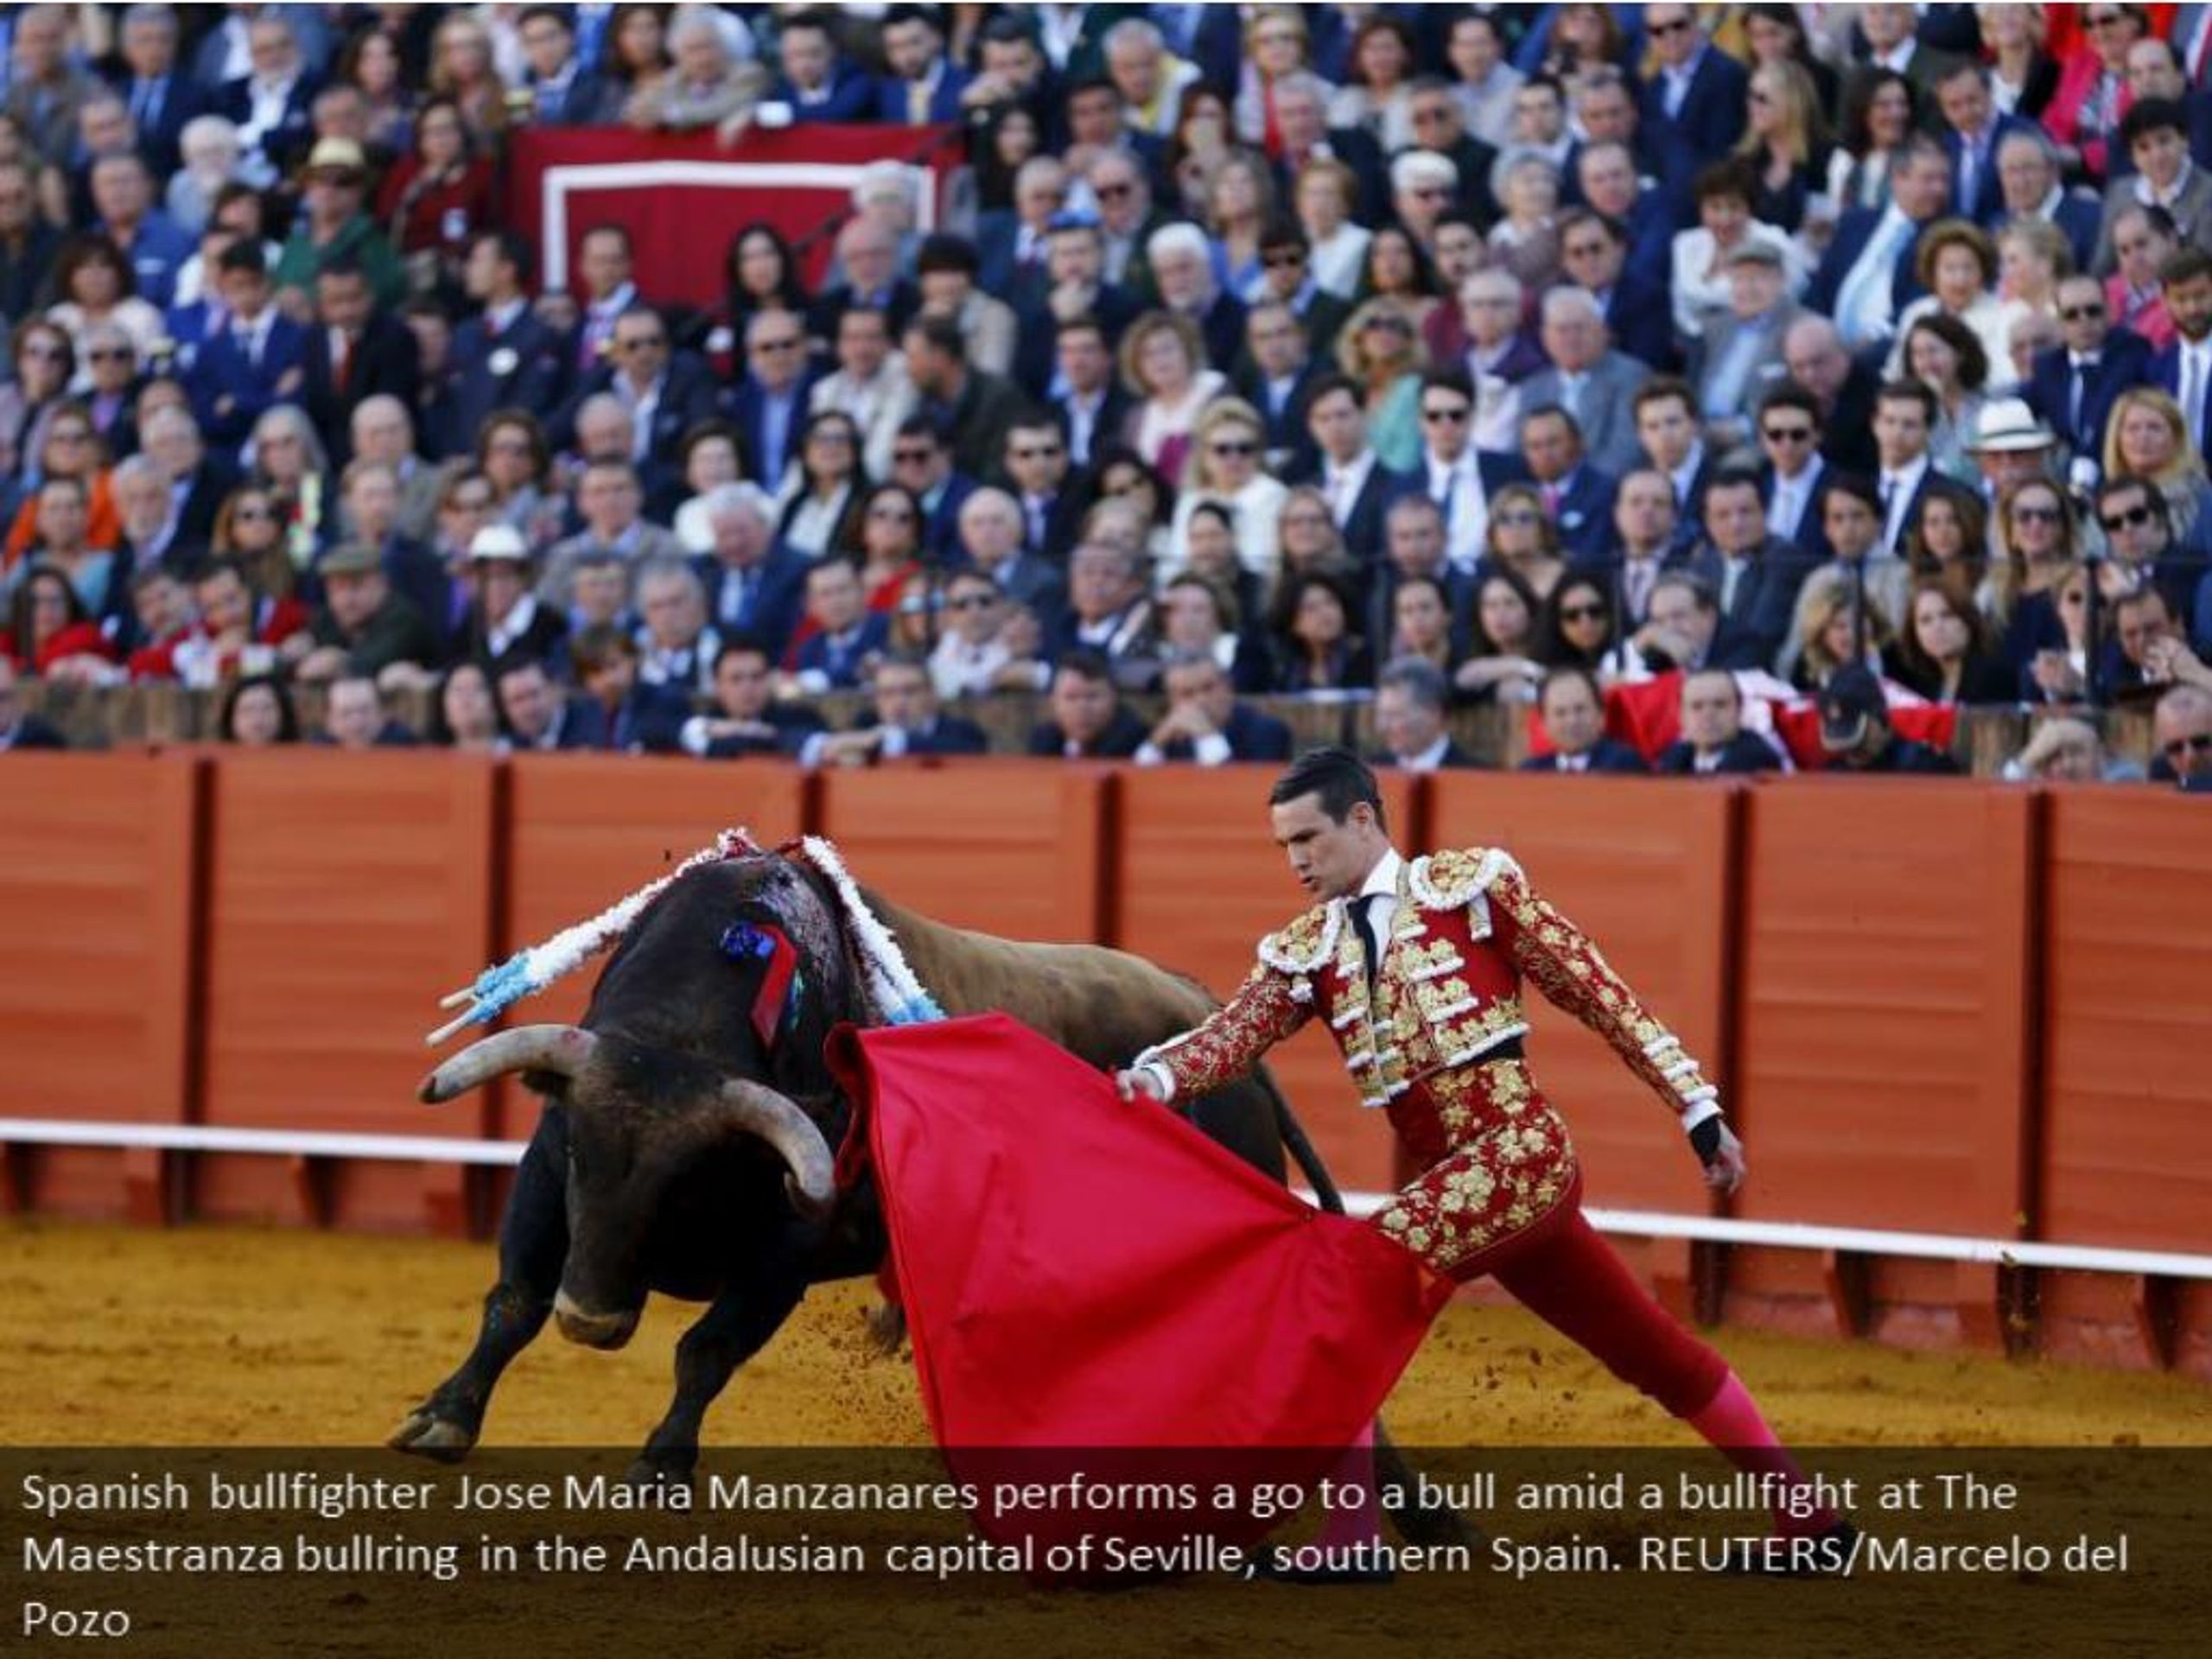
(1417,968)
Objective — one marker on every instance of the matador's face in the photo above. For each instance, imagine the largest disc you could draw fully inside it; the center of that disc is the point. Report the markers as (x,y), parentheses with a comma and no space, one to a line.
(1329,859)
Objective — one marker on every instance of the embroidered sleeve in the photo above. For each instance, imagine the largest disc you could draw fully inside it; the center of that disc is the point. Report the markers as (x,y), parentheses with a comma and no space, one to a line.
(1563,963)
(1266,1009)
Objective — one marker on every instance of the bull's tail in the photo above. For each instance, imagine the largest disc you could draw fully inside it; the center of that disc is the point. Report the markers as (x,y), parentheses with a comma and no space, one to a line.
(1301,1149)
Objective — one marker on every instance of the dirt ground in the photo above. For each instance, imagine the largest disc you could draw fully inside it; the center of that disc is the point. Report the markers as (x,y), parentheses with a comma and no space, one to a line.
(236,1337)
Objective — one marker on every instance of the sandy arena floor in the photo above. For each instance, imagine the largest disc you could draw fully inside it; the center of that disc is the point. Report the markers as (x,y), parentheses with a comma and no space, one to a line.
(206,1337)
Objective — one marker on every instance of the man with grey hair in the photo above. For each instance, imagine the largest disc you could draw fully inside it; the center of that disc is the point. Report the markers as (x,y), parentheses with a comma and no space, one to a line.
(1423,184)
(754,584)
(269,104)
(158,98)
(2028,184)
(1205,722)
(991,531)
(677,646)
(1813,352)
(1181,259)
(1118,183)
(383,431)
(1409,698)
(869,264)
(1588,378)
(1302,121)
(154,247)
(1152,78)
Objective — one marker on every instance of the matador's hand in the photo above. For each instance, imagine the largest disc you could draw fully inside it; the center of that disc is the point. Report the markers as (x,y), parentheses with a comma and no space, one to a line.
(1138,1081)
(1721,1152)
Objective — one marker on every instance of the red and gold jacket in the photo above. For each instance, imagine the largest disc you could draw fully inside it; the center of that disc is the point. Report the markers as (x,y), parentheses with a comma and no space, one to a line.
(1467,930)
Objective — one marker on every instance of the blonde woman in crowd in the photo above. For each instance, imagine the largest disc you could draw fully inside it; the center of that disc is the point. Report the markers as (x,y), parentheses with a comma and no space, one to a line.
(1163,366)
(1324,195)
(2145,437)
(1226,443)
(1380,349)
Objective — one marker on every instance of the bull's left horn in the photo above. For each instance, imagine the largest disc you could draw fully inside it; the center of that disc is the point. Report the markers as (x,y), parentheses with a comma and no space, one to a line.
(748,1109)
(565,1049)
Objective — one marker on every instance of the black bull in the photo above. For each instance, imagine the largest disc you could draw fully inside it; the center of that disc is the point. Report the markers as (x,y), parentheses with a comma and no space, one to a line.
(677,1153)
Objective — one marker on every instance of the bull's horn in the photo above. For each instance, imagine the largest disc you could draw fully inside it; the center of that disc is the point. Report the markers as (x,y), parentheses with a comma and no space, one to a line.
(565,1049)
(748,1109)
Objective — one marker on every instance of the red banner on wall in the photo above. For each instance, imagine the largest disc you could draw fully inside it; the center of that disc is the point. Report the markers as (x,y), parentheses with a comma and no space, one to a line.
(682,198)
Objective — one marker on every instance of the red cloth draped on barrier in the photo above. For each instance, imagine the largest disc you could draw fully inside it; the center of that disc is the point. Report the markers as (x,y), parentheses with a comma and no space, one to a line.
(682,197)
(1084,1275)
(1646,715)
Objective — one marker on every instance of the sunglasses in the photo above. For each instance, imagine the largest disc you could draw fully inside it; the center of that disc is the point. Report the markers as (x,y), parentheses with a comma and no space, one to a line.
(1113,192)
(2200,744)
(1233,447)
(891,515)
(912,457)
(111,354)
(775,345)
(1038,452)
(2132,518)
(970,602)
(1455,414)
(1283,259)
(1388,325)
(1787,434)
(1521,517)
(2036,515)
(1660,31)
(1582,613)
(2079,313)
(649,342)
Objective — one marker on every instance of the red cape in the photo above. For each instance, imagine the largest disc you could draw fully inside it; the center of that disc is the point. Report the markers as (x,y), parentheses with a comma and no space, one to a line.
(1082,1272)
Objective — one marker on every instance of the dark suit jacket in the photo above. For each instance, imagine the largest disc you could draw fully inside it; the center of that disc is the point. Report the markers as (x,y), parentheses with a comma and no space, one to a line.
(1286,427)
(1848,434)
(385,359)
(1812,537)
(904,299)
(850,99)
(1641,321)
(1852,232)
(818,653)
(1363,525)
(1114,410)
(768,608)
(578,106)
(518,368)
(1252,735)
(2165,374)
(2124,362)
(1708,125)
(1607,755)
(794,723)
(1765,604)
(1988,201)
(1745,754)
(944,101)
(223,369)
(286,145)
(182,98)
(948,734)
(745,404)
(1123,736)
(1455,760)
(687,397)
(978,420)
(1036,347)
(1586,512)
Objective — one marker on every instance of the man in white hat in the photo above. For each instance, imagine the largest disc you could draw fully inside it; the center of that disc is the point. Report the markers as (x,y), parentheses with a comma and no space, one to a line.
(333,229)
(506,622)
(2010,445)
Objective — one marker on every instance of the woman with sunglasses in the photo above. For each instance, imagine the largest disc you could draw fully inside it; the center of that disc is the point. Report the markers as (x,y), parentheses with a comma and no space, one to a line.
(1576,630)
(514,458)
(825,510)
(1522,538)
(1381,351)
(1226,470)
(2147,437)
(69,448)
(45,362)
(887,544)
(2083,115)
(1785,140)
(2038,544)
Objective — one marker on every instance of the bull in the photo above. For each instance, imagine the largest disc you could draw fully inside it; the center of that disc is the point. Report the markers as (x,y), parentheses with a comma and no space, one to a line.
(680,1151)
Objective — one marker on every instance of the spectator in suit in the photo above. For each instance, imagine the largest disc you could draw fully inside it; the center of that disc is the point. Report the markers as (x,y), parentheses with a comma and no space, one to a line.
(2155,71)
(1691,109)
(1871,271)
(269,104)
(1286,279)
(238,375)
(974,408)
(666,393)
(607,263)
(848,638)
(2028,180)
(925,86)
(1588,379)
(903,719)
(354,718)
(869,384)
(1648,539)
(921,459)
(1204,722)
(1683,630)
(45,88)
(768,406)
(676,645)
(1409,698)
(1181,260)
(1713,740)
(619,711)
(505,357)
(1855,731)
(369,503)
(364,625)
(2156,136)
(1275,376)
(1577,497)
(1667,434)
(1756,576)
(1012,246)
(746,719)
(868,256)
(29,244)
(504,622)
(2073,386)
(1904,417)
(612,502)
(355,350)
(1574,711)
(1085,719)
(2180,737)
(1974,131)
(161,98)
(1453,473)
(1089,403)
(537,715)
(1593,249)
(1813,352)
(990,540)
(1357,486)
(1739,357)
(563,92)
(1076,289)
(986,645)
(816,79)
(1795,475)
(1108,612)
(151,242)
(1035,466)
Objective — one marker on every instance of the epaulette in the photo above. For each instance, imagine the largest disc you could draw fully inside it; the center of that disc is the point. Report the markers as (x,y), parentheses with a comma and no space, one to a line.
(1452,881)
(1307,945)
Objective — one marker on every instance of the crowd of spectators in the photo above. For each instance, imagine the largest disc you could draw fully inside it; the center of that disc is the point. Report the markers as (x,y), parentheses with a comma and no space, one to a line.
(1430,354)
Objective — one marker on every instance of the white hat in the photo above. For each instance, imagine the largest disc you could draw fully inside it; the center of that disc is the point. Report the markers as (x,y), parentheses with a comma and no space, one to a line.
(501,542)
(2008,425)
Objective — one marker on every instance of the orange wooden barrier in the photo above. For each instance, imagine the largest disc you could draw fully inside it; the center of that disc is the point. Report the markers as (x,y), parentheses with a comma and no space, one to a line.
(1007,846)
(1881,1072)
(2126,1143)
(1198,881)
(1645,869)
(96,999)
(345,891)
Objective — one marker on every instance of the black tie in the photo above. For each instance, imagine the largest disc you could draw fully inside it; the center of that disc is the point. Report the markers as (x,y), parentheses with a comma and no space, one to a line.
(1361,919)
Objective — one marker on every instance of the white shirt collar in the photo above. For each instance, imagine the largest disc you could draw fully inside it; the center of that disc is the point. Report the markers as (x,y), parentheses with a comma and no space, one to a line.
(1383,878)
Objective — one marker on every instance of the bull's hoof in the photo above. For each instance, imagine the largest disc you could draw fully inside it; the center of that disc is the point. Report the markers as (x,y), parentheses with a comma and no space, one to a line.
(656,1474)
(423,1434)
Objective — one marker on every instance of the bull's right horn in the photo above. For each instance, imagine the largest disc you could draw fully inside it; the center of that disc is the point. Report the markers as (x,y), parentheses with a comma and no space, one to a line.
(748,1109)
(563,1049)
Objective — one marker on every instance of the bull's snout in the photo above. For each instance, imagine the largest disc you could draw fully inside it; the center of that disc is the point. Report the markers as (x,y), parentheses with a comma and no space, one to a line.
(607,1330)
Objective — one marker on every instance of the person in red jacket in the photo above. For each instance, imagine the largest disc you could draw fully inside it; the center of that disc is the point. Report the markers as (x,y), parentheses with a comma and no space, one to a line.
(1416,968)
